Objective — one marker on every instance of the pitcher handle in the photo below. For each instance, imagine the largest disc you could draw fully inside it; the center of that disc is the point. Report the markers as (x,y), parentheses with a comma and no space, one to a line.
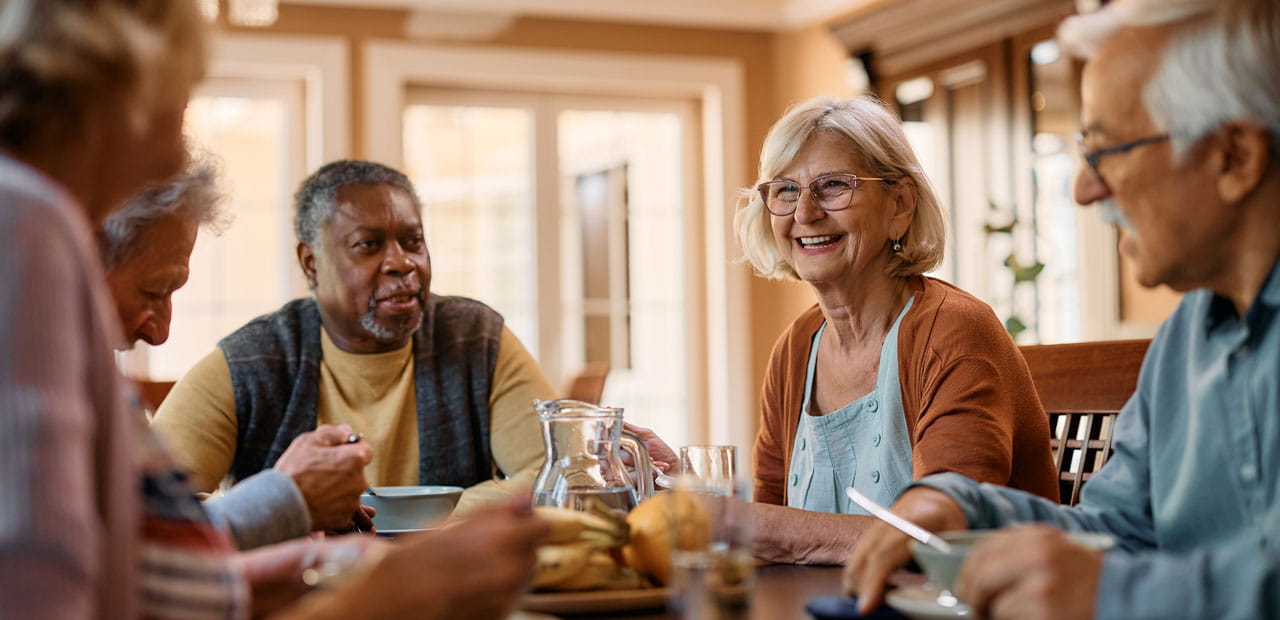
(644,465)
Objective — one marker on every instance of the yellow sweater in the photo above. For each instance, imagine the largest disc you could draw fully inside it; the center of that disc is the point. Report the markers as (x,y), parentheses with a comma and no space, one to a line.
(374,394)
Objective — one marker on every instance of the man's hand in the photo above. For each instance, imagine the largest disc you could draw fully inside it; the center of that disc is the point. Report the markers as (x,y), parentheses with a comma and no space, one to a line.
(660,453)
(363,519)
(1030,571)
(883,549)
(329,472)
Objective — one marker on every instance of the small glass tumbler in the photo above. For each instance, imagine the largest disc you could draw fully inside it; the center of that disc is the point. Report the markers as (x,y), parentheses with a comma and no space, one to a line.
(715,467)
(711,556)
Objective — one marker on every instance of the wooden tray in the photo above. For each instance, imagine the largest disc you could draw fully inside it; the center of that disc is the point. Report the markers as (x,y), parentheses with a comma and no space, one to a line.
(595,601)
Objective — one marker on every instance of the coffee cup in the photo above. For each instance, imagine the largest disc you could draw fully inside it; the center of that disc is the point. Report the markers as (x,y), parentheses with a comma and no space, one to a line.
(942,568)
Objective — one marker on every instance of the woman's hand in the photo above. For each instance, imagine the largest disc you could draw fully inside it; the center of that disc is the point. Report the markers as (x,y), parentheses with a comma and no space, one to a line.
(662,456)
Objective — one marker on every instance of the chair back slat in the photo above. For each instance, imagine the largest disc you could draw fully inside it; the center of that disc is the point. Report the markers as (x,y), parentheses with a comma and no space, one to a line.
(588,385)
(153,392)
(1082,387)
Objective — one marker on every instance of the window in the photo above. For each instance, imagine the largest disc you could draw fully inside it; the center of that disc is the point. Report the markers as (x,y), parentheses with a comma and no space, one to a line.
(272,110)
(583,250)
(250,269)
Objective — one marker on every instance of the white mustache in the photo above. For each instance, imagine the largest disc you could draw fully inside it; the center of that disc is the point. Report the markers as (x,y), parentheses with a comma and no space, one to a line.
(1112,214)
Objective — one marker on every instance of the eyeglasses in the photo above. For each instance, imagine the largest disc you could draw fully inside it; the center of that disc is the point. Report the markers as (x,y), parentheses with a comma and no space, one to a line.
(1093,157)
(833,192)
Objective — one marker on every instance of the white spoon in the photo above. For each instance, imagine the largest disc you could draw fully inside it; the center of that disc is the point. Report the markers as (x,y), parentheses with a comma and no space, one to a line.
(905,526)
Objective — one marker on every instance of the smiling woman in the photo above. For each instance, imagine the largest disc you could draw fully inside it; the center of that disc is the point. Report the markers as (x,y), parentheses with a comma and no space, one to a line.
(892,375)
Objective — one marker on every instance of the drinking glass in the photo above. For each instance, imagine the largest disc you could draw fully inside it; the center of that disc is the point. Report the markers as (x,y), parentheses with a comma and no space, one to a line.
(712,566)
(712,466)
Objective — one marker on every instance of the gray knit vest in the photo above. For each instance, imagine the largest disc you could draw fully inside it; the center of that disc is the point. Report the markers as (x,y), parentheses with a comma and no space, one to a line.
(275,373)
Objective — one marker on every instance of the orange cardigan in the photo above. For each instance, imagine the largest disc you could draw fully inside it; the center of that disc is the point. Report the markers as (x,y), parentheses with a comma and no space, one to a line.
(966,392)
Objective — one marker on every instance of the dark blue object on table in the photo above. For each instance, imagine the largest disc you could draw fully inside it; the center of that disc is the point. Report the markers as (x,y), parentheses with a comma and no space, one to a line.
(845,608)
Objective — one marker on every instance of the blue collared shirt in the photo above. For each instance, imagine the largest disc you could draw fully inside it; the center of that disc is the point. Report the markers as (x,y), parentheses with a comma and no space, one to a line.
(1192,492)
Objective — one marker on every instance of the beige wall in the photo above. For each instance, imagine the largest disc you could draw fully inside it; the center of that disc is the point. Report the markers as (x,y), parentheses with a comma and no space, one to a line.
(806,63)
(780,69)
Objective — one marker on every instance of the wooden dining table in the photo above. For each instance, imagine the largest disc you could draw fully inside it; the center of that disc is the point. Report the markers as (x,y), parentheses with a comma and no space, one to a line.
(780,592)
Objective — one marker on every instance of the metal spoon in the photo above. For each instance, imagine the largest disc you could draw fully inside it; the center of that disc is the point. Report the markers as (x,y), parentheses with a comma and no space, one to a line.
(355,438)
(905,526)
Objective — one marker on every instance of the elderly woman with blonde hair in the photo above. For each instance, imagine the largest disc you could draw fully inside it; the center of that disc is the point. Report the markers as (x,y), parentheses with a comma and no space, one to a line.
(892,375)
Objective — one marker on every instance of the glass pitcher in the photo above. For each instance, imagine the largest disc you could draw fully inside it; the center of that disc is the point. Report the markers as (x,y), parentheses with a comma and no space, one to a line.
(583,460)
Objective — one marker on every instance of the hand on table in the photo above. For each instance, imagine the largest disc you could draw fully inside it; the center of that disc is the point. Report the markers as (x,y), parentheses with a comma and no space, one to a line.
(660,453)
(883,549)
(1030,571)
(329,472)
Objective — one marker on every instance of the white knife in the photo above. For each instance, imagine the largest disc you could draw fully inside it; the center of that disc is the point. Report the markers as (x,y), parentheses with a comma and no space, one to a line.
(907,527)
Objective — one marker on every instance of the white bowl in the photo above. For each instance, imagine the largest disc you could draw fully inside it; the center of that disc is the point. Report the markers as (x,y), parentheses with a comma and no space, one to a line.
(410,507)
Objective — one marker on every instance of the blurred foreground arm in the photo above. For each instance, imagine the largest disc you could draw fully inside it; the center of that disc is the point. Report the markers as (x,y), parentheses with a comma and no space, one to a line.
(475,567)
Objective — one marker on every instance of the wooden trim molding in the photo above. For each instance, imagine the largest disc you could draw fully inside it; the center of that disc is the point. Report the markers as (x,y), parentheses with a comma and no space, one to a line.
(901,41)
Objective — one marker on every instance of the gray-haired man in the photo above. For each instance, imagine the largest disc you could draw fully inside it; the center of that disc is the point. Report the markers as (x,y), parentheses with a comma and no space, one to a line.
(146,247)
(1181,142)
(439,387)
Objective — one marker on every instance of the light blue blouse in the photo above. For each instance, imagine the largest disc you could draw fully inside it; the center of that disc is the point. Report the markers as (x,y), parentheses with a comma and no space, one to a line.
(864,444)
(1192,492)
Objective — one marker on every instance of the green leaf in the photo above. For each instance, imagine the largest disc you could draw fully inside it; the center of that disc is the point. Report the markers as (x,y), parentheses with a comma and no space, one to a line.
(1007,229)
(1021,272)
(1014,326)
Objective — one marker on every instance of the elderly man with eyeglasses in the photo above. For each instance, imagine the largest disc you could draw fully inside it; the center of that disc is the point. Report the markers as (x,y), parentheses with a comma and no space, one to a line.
(1181,142)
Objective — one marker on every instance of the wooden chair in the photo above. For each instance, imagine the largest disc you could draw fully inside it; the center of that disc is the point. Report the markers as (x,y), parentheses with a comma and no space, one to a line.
(1082,387)
(588,385)
(153,392)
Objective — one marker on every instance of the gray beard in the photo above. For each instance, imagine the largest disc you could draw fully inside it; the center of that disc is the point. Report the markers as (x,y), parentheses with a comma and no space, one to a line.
(385,334)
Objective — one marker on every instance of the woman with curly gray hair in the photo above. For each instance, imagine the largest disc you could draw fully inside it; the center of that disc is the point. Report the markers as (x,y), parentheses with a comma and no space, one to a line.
(892,375)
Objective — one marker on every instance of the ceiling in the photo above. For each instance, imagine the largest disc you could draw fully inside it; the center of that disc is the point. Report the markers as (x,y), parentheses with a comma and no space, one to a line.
(770,15)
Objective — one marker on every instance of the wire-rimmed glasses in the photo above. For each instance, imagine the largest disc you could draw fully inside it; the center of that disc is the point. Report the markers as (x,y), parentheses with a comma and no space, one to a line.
(832,192)
(1092,157)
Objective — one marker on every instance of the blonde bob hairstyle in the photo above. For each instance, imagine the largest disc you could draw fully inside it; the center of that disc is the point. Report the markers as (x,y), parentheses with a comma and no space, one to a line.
(876,135)
(59,58)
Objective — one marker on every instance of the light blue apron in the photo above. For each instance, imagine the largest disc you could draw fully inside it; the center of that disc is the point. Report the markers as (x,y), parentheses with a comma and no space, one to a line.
(863,444)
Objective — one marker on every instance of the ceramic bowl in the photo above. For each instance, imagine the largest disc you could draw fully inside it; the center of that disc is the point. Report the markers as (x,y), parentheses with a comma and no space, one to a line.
(410,507)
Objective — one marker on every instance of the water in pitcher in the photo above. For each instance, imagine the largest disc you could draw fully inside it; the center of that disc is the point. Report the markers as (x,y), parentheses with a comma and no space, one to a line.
(617,499)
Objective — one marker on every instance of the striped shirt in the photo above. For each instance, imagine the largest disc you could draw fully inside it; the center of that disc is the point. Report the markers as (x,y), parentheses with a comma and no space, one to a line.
(188,565)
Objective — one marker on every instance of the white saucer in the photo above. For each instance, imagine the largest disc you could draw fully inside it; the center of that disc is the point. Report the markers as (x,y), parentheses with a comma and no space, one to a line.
(394,533)
(921,603)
